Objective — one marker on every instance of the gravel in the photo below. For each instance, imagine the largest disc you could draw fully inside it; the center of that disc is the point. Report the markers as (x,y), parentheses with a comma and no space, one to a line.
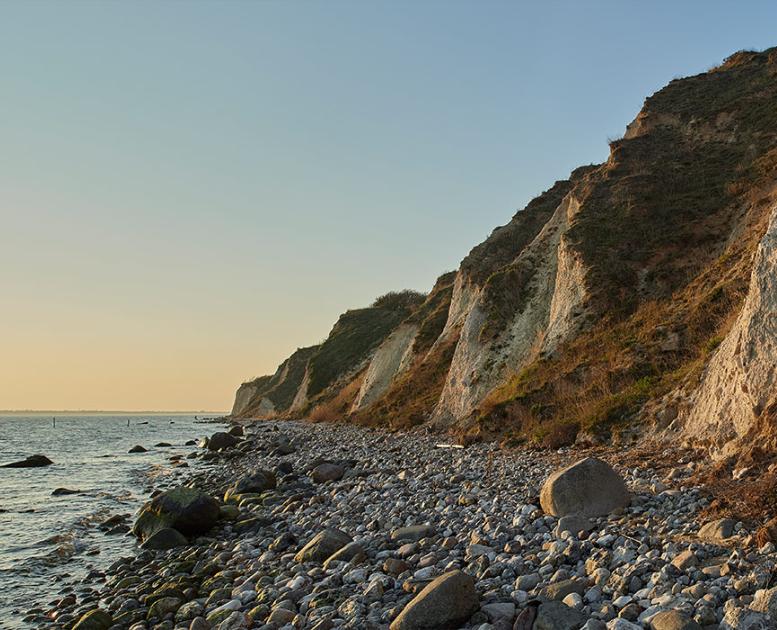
(415,511)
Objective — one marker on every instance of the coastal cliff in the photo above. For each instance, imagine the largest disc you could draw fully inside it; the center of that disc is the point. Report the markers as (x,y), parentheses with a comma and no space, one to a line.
(635,294)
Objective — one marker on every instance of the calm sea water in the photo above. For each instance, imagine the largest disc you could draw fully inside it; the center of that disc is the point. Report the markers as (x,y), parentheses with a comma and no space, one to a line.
(49,544)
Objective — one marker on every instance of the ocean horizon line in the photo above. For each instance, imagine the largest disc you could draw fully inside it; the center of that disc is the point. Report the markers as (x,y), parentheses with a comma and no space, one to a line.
(109,411)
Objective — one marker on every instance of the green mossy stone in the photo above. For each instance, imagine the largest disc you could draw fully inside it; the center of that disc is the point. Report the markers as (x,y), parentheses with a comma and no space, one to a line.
(168,590)
(94,620)
(217,616)
(164,606)
(258,613)
(128,581)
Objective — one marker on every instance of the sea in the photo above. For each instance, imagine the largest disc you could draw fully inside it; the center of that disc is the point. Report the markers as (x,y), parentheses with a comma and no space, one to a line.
(52,545)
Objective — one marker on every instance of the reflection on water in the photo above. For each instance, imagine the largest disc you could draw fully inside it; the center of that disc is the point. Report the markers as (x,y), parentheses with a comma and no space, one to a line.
(49,544)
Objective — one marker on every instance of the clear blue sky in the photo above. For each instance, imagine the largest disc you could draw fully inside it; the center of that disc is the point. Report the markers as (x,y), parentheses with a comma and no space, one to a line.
(191,190)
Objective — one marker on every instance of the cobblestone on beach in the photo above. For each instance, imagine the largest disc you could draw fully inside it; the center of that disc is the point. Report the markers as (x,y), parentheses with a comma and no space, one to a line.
(366,529)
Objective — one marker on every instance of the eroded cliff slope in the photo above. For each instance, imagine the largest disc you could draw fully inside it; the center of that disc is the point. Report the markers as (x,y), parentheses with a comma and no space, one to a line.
(635,292)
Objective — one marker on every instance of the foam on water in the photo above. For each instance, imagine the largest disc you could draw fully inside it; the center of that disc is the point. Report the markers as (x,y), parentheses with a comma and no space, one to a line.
(49,544)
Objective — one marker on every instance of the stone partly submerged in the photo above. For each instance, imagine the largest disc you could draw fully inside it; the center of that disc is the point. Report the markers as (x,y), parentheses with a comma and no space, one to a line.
(447,602)
(589,487)
(188,510)
(735,405)
(33,461)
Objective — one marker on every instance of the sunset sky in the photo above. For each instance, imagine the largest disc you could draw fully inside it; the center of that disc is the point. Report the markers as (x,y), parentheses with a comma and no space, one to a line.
(191,190)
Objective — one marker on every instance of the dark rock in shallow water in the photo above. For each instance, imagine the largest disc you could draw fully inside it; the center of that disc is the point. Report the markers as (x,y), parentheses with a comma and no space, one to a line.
(115,524)
(63,491)
(167,538)
(190,443)
(162,445)
(137,449)
(221,440)
(189,510)
(119,529)
(33,461)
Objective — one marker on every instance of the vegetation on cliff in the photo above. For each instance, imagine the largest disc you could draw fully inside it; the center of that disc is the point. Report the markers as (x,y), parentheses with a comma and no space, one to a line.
(605,295)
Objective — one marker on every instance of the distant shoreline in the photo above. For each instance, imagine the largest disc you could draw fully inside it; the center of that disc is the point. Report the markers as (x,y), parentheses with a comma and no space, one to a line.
(102,412)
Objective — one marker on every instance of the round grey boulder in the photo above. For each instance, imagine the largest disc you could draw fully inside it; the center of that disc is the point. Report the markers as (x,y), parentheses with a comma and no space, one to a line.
(589,487)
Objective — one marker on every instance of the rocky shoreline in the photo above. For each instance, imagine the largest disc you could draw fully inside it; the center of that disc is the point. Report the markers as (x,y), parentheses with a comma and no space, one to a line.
(368,529)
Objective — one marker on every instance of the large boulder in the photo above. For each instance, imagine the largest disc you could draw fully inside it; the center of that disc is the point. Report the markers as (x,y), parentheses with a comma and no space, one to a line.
(446,602)
(323,545)
(220,440)
(33,461)
(138,449)
(717,530)
(188,510)
(589,487)
(60,492)
(256,481)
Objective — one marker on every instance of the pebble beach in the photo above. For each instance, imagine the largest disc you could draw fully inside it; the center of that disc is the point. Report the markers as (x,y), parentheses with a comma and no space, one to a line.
(366,529)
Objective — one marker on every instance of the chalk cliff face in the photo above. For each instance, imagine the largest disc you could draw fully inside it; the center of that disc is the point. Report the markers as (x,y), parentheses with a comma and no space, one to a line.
(599,305)
(735,404)
(268,395)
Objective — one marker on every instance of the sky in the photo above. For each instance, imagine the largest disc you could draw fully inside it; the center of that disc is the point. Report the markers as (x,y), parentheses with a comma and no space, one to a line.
(189,191)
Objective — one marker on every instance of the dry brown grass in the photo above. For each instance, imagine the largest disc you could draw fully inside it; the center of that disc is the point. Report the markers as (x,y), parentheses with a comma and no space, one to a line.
(337,409)
(605,375)
(412,398)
